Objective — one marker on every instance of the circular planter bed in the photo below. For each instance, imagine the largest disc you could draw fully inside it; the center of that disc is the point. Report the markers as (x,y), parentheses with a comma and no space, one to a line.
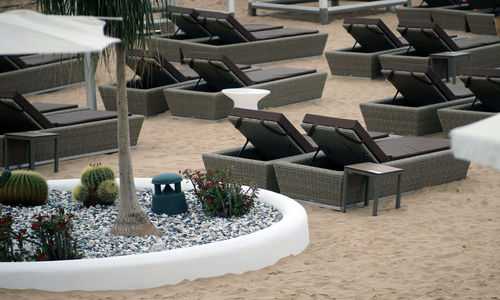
(254,251)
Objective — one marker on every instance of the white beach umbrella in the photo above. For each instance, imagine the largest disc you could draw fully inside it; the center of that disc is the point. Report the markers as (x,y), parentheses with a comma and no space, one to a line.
(478,142)
(26,31)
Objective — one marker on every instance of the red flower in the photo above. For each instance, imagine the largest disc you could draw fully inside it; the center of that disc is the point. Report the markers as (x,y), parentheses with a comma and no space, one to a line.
(209,201)
(247,205)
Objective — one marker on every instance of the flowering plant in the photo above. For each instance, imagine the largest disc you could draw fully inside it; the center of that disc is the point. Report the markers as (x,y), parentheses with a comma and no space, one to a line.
(8,251)
(220,195)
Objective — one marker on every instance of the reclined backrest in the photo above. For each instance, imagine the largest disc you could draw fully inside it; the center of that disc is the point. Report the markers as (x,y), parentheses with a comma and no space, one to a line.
(186,19)
(225,26)
(17,114)
(6,64)
(438,3)
(485,84)
(343,141)
(372,34)
(418,84)
(270,133)
(426,37)
(153,69)
(480,4)
(217,70)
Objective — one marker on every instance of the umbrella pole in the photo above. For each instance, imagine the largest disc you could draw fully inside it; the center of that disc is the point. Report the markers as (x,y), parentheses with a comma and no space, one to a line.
(90,81)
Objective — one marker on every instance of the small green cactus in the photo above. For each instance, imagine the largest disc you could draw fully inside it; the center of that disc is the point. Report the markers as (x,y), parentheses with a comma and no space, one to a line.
(4,178)
(98,186)
(93,175)
(107,192)
(25,188)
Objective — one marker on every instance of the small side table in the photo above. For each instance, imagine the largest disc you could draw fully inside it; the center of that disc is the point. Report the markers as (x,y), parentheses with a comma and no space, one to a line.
(451,62)
(375,171)
(31,137)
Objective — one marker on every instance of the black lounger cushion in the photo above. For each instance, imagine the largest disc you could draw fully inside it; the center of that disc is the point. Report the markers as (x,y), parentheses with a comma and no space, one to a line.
(408,146)
(17,114)
(79,117)
(44,107)
(485,84)
(272,74)
(372,34)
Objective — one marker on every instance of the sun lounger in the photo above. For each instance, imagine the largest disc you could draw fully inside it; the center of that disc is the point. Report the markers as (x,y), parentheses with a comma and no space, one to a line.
(485,84)
(186,19)
(272,138)
(422,12)
(240,44)
(455,17)
(415,111)
(83,132)
(205,100)
(36,73)
(427,38)
(374,38)
(425,161)
(145,94)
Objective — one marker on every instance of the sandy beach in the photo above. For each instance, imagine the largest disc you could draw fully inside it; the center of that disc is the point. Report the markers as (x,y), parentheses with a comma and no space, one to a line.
(442,244)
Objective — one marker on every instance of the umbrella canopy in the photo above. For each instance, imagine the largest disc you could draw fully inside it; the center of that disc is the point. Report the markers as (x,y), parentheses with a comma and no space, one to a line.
(478,142)
(25,31)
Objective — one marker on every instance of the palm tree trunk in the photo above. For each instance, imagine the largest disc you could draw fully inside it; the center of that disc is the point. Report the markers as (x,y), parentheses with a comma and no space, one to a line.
(131,220)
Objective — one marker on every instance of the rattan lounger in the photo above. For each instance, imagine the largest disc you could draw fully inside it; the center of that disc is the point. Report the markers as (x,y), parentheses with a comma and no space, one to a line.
(427,38)
(415,111)
(37,73)
(455,17)
(81,133)
(422,12)
(485,84)
(273,138)
(374,38)
(240,44)
(425,161)
(205,100)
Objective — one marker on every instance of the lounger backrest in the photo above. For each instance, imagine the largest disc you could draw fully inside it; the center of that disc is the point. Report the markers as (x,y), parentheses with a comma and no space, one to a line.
(217,70)
(438,3)
(485,84)
(153,69)
(186,19)
(17,114)
(480,4)
(418,84)
(6,64)
(225,26)
(426,37)
(343,141)
(372,34)
(270,133)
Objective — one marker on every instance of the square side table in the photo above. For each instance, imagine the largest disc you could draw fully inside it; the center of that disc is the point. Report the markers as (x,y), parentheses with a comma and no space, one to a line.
(371,171)
(31,137)
(451,62)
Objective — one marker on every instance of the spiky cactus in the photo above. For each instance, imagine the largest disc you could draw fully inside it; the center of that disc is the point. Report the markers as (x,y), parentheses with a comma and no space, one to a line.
(90,191)
(4,178)
(24,188)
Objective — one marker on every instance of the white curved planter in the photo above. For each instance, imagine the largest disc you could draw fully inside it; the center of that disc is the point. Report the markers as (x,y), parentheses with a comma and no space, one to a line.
(250,252)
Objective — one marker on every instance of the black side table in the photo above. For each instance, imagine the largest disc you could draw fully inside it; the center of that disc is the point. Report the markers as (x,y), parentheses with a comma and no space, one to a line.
(371,171)
(451,62)
(31,137)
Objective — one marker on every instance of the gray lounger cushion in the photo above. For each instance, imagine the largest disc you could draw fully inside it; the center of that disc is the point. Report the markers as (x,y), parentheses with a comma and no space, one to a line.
(372,34)
(485,84)
(420,85)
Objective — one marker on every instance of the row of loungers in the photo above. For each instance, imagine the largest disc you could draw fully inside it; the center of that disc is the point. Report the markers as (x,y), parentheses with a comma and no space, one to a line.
(219,32)
(82,132)
(311,168)
(379,46)
(196,91)
(39,72)
(476,16)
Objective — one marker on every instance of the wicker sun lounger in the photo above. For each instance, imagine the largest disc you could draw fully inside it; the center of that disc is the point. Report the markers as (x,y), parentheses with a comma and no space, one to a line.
(415,111)
(485,84)
(81,133)
(205,100)
(39,72)
(425,161)
(374,38)
(427,38)
(422,12)
(273,138)
(240,44)
(455,17)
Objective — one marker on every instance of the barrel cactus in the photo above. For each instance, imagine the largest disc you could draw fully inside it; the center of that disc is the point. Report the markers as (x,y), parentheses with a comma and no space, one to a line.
(98,186)
(24,188)
(4,178)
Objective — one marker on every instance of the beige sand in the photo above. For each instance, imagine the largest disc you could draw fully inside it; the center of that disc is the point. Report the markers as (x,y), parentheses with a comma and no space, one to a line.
(443,243)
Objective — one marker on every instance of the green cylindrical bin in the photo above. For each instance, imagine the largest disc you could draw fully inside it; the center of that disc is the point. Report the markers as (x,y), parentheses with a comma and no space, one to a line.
(168,201)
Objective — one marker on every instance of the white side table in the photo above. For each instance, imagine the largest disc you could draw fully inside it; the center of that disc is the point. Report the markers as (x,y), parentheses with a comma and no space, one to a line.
(246,97)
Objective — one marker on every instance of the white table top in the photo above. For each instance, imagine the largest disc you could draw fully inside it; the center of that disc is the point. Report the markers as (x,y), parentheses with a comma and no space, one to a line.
(478,142)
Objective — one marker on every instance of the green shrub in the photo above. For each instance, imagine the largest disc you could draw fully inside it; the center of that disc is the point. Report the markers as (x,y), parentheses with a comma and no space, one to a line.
(220,195)
(25,188)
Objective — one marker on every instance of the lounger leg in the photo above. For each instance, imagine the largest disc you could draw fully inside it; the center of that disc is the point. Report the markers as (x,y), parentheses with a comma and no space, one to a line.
(367,189)
(32,154)
(398,195)
(344,191)
(375,195)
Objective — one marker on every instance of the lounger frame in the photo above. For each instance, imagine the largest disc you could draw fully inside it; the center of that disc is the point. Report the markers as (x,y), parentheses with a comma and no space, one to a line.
(460,115)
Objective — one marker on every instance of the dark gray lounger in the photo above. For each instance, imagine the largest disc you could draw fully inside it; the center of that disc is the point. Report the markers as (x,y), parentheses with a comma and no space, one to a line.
(485,84)
(415,111)
(206,101)
(80,132)
(374,38)
(425,161)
